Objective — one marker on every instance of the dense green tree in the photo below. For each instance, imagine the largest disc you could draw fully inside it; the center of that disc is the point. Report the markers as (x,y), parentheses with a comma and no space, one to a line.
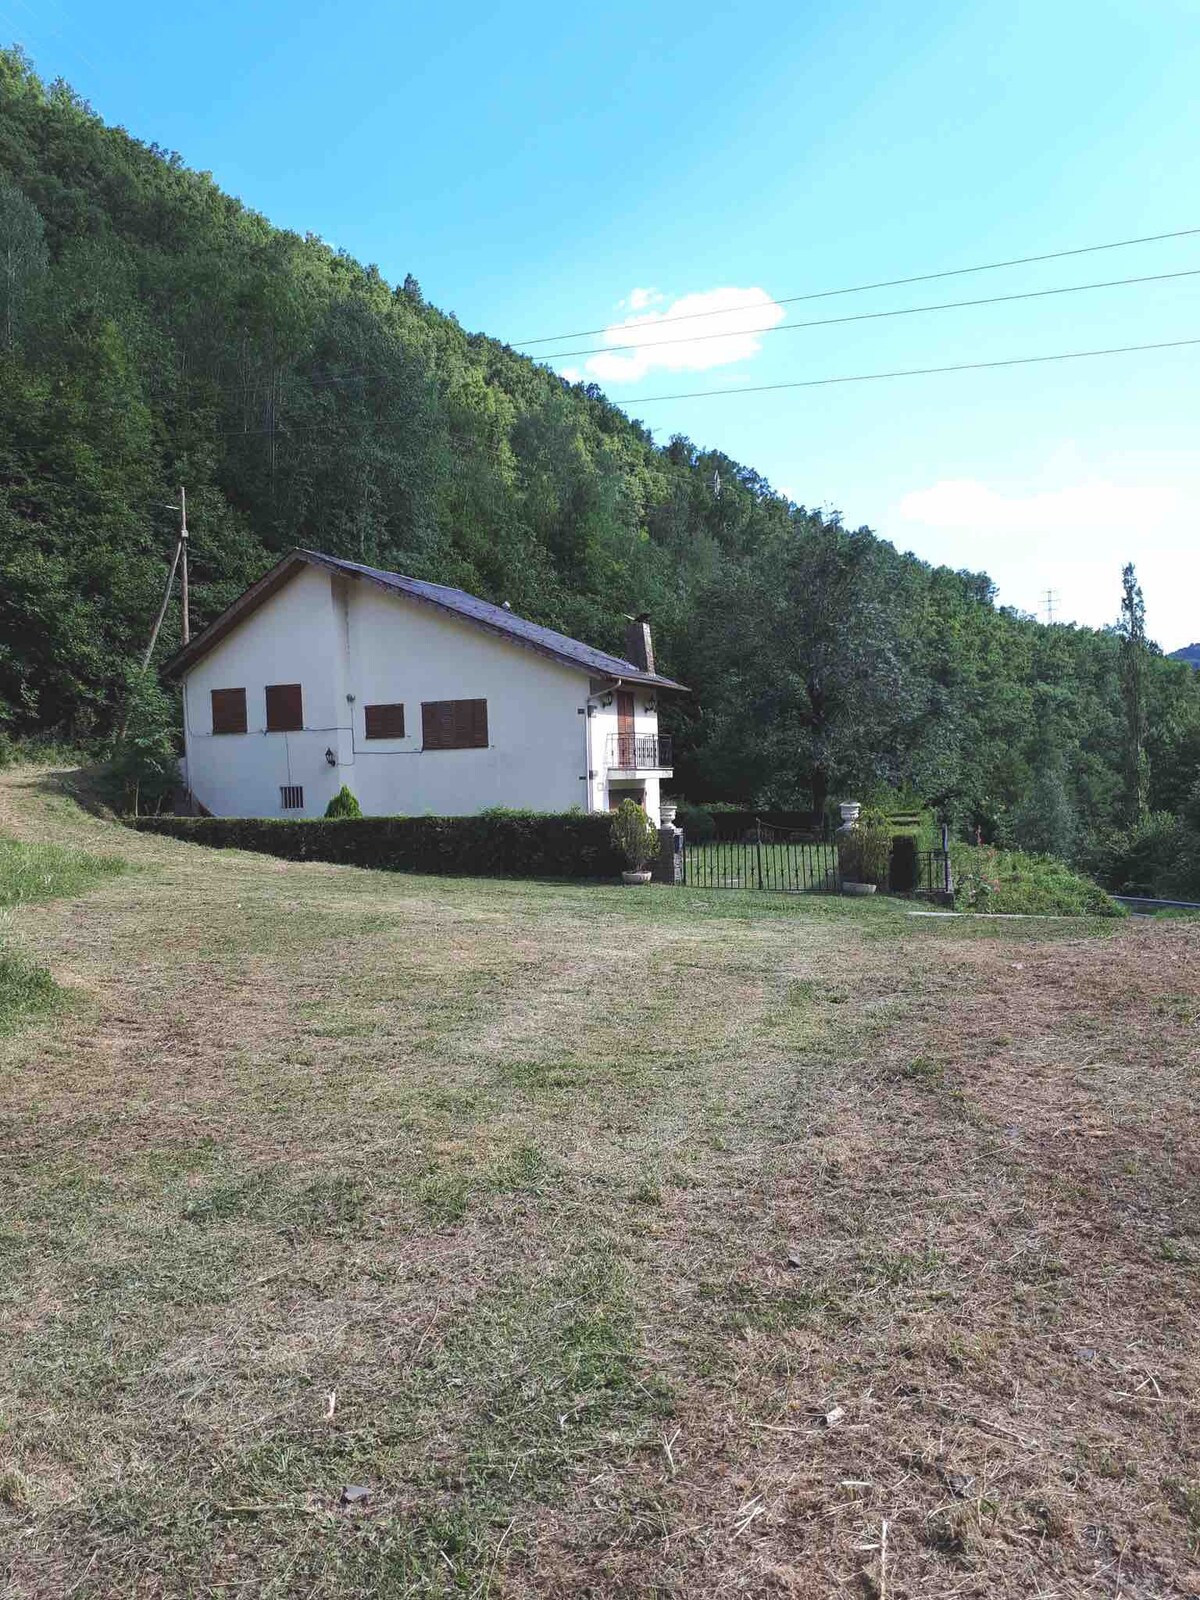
(155,332)
(22,257)
(1044,820)
(802,652)
(144,758)
(1134,672)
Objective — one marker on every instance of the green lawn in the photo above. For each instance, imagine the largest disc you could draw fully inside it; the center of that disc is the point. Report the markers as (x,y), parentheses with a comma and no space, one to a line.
(32,872)
(42,871)
(616,1242)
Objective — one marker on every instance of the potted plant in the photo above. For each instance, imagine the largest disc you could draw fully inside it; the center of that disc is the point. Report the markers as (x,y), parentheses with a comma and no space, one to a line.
(863,851)
(636,837)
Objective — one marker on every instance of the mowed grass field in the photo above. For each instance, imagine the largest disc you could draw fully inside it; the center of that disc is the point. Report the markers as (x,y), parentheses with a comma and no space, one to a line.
(616,1243)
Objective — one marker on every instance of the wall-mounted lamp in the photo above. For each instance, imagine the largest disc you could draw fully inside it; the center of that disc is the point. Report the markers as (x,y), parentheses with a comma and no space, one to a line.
(652,704)
(331,758)
(606,699)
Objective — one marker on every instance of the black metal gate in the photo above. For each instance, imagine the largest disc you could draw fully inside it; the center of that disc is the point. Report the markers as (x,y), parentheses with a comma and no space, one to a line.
(934,876)
(763,858)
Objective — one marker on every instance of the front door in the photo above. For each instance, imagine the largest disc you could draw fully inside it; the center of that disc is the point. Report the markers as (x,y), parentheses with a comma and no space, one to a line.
(626,755)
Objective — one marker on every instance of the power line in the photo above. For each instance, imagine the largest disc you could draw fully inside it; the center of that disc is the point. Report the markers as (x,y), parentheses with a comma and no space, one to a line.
(808,383)
(870,316)
(787,327)
(918,372)
(902,311)
(891,283)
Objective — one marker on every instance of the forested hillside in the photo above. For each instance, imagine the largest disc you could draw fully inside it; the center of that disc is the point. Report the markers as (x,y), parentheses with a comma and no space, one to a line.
(153,332)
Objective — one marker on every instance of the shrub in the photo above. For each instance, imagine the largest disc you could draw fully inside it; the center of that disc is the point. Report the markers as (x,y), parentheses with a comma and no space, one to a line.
(634,835)
(49,750)
(144,760)
(537,846)
(863,852)
(988,879)
(697,823)
(343,804)
(1158,857)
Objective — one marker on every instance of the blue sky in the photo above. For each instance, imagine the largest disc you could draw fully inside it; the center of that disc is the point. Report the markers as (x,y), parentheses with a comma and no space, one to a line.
(543,169)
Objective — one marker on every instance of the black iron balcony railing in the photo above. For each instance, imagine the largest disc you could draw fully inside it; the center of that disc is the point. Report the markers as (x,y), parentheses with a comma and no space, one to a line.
(634,752)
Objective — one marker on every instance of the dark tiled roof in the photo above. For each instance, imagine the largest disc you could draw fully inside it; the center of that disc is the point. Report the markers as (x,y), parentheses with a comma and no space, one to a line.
(598,663)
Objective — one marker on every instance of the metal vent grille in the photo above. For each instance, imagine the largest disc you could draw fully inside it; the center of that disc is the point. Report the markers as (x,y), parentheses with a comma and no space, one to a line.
(291,797)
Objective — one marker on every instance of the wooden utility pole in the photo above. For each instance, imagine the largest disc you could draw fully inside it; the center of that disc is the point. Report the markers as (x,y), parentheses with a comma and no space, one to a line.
(180,555)
(162,610)
(180,558)
(183,550)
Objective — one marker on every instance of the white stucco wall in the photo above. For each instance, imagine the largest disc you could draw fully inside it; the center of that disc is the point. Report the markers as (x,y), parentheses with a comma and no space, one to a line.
(604,728)
(340,637)
(291,639)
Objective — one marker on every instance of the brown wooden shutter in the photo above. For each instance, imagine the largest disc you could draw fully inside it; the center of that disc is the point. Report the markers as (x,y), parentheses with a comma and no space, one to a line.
(435,725)
(285,708)
(475,712)
(384,722)
(454,724)
(229,710)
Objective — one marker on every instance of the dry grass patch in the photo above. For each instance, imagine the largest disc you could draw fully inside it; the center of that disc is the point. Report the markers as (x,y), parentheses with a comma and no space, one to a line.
(615,1244)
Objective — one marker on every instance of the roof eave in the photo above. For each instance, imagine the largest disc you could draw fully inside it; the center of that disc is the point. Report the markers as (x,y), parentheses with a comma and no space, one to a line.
(284,569)
(648,680)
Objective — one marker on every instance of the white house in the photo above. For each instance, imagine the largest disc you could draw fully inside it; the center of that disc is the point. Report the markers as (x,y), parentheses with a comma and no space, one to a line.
(422,699)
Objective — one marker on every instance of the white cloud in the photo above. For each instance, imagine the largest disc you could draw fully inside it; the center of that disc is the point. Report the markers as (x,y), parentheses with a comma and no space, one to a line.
(726,330)
(1070,530)
(642,299)
(571,374)
(1094,506)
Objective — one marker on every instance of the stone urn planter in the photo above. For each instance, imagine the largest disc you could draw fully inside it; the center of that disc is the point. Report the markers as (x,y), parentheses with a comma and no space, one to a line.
(850,810)
(849,887)
(636,877)
(666,813)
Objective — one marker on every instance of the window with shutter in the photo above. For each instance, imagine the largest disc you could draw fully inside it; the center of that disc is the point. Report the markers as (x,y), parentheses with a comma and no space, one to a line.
(285,708)
(229,710)
(454,724)
(384,722)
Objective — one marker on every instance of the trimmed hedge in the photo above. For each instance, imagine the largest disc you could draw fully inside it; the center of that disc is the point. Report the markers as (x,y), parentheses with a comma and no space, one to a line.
(487,846)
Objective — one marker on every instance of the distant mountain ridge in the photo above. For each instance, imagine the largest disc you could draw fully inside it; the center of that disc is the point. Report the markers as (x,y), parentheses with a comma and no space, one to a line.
(1188,652)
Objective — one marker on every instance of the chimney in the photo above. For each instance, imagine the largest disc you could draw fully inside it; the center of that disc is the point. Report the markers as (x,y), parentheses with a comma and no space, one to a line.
(639,647)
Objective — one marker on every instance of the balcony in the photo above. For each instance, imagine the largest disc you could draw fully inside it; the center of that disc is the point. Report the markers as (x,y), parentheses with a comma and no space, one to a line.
(638,752)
